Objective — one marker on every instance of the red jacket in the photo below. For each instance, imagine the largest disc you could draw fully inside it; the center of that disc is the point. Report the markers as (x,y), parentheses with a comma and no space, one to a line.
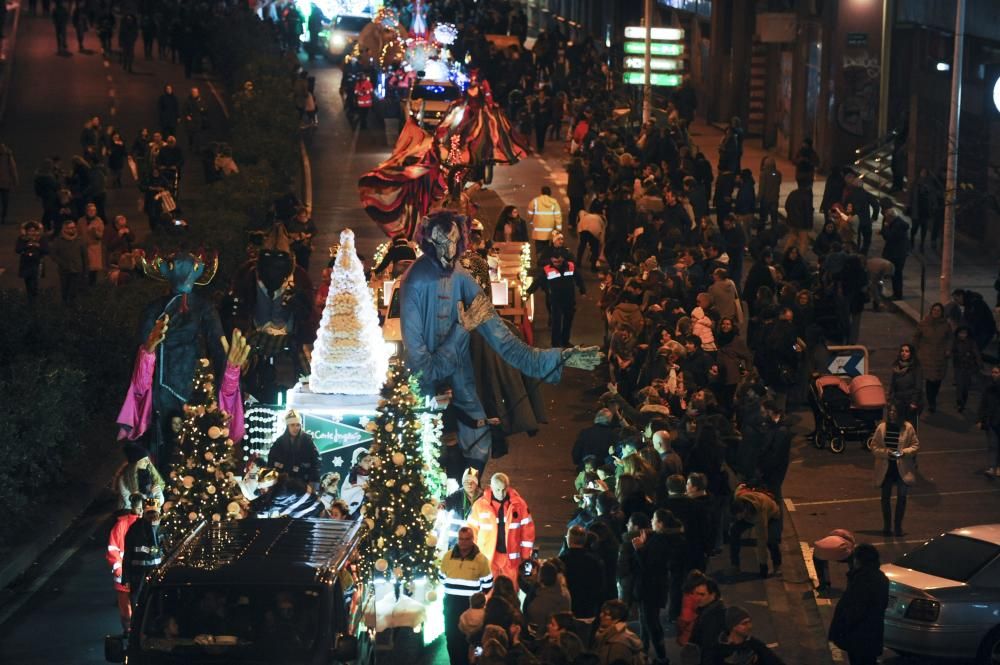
(519,527)
(116,548)
(363,92)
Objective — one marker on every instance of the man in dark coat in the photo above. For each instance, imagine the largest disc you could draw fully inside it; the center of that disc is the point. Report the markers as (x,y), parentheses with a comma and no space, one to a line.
(660,556)
(711,619)
(584,574)
(774,457)
(895,230)
(576,189)
(857,625)
(169,110)
(799,213)
(595,440)
(294,452)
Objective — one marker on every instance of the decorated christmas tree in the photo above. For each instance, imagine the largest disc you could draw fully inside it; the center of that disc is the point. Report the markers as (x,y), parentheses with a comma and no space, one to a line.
(349,356)
(202,484)
(404,488)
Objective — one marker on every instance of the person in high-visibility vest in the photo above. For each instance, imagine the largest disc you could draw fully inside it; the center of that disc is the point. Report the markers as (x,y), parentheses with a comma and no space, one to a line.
(464,571)
(545,217)
(505,532)
(116,557)
(364,97)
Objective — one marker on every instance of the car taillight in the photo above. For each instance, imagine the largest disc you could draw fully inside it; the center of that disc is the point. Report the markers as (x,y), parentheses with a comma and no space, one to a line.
(923,610)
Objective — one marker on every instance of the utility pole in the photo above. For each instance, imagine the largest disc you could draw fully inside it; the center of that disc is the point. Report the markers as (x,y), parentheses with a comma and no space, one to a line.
(647,88)
(888,16)
(951,178)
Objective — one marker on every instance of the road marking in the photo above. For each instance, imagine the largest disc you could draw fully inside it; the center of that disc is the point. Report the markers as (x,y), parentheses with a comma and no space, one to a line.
(876,498)
(106,64)
(952,452)
(111,92)
(790,505)
(108,77)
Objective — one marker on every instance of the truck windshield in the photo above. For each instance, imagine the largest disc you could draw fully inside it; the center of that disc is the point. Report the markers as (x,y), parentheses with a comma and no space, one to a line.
(237,624)
(436,92)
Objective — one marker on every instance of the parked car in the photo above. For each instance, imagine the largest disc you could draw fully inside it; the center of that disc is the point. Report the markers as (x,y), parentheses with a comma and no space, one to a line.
(429,99)
(944,597)
(229,590)
(343,34)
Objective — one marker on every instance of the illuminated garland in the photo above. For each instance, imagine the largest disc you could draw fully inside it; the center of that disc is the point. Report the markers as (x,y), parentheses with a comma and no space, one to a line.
(205,470)
(405,485)
(524,274)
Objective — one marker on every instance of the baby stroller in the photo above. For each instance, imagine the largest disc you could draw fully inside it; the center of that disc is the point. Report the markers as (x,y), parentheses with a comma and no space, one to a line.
(846,409)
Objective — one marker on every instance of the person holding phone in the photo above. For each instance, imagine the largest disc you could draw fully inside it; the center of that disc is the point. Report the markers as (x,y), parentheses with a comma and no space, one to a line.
(895,447)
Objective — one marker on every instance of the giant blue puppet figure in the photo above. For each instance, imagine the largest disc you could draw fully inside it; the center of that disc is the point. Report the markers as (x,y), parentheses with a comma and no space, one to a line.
(173,331)
(441,303)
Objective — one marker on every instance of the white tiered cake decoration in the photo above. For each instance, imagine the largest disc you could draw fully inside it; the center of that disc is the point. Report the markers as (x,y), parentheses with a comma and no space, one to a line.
(349,357)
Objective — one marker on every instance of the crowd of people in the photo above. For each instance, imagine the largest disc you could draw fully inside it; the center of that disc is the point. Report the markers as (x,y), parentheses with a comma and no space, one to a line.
(74,228)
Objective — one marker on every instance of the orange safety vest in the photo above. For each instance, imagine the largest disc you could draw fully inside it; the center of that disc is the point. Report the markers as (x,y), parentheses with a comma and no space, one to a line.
(519,527)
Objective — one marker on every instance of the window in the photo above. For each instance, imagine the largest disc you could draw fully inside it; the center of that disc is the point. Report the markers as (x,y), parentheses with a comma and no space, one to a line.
(435,92)
(189,622)
(951,557)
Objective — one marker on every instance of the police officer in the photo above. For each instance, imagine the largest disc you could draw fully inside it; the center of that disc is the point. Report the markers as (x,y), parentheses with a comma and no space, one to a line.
(142,549)
(561,282)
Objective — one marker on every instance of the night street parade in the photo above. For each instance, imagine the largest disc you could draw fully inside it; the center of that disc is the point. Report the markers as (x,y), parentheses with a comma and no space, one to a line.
(500,332)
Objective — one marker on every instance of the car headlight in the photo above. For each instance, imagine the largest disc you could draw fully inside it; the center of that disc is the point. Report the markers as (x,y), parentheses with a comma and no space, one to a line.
(338,41)
(921,609)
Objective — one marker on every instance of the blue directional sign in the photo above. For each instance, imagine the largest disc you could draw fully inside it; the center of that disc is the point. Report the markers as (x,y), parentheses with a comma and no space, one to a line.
(847,360)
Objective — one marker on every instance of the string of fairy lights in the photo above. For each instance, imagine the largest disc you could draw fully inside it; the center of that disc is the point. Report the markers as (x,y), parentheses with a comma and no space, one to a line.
(204,474)
(405,485)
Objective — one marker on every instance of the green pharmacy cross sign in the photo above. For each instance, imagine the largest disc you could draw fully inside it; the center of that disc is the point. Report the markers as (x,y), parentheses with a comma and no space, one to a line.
(665,80)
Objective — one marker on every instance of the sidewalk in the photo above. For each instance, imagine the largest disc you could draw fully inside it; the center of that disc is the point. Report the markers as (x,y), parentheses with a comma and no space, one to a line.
(973,269)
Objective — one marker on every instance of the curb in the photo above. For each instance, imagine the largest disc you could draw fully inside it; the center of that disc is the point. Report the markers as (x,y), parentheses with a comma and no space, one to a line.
(10,43)
(804,622)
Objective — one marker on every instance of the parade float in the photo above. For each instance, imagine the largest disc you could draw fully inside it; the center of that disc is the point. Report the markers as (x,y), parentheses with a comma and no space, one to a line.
(348,365)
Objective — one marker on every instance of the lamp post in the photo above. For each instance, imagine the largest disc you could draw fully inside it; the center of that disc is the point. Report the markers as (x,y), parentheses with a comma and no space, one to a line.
(951,177)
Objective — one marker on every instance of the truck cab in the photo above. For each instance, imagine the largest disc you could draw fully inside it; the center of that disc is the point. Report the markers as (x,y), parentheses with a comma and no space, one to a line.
(252,591)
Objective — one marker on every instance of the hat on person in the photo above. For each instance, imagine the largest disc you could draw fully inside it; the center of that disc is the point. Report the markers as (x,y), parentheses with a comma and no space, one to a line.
(134,452)
(470,473)
(151,506)
(735,615)
(293,418)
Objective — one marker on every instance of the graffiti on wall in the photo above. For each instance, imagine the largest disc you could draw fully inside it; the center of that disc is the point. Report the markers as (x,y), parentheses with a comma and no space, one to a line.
(857,110)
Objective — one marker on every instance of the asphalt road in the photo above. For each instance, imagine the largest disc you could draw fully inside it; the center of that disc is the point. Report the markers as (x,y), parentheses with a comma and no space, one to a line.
(66,619)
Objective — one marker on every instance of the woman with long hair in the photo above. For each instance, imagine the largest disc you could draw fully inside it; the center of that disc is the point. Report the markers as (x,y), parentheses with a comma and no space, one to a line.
(895,447)
(907,385)
(510,226)
(138,476)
